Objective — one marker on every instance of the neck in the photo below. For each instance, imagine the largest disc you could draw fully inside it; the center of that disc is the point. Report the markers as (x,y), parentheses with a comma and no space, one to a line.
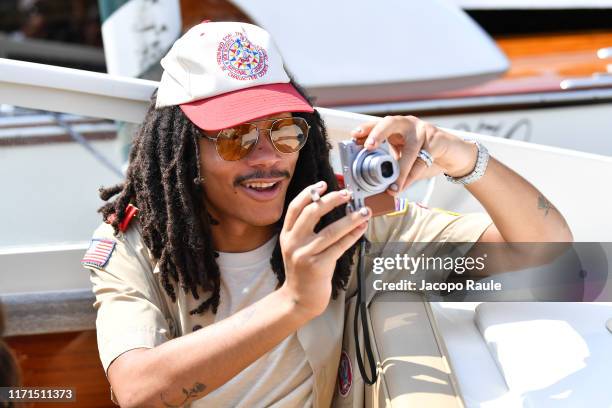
(236,236)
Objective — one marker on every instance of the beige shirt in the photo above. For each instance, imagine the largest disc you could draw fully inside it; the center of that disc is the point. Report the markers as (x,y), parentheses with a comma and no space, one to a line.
(281,378)
(134,311)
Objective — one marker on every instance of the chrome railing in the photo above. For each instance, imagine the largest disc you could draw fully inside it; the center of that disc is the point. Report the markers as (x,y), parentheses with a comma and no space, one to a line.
(597,80)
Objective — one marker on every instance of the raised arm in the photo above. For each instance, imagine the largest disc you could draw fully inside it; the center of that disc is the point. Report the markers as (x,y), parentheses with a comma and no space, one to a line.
(520,212)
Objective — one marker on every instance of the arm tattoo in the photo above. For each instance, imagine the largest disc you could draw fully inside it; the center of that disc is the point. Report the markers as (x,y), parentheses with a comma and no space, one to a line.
(193,392)
(544,204)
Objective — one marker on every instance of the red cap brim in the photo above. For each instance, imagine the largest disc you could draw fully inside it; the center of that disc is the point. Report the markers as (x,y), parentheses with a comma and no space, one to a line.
(232,108)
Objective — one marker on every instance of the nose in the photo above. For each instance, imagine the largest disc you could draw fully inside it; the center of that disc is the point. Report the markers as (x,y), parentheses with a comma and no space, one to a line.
(264,154)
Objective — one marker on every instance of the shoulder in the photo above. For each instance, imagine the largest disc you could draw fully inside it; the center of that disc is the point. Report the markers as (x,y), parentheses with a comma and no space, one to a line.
(387,227)
(131,211)
(127,245)
(414,222)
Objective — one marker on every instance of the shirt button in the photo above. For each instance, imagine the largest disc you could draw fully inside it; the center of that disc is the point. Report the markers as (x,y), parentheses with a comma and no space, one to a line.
(196,327)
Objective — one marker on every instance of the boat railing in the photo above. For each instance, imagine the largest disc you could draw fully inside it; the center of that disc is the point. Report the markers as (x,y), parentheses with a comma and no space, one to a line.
(597,80)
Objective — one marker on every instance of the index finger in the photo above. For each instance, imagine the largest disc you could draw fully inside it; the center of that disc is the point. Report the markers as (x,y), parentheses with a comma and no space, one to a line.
(362,131)
(395,129)
(300,201)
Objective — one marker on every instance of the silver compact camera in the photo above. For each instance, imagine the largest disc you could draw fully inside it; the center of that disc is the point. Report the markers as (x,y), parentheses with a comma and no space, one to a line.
(368,174)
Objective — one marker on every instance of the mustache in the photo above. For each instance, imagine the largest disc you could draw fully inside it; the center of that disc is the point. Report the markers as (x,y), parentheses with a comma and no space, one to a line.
(260,174)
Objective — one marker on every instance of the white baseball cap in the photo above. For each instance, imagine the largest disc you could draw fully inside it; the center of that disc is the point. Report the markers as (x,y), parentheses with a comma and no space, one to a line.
(226,73)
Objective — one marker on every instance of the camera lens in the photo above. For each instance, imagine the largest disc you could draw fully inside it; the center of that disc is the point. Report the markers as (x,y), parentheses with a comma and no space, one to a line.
(386,169)
(374,171)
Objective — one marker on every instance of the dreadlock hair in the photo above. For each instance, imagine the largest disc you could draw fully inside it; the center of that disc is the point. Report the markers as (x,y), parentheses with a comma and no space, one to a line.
(176,227)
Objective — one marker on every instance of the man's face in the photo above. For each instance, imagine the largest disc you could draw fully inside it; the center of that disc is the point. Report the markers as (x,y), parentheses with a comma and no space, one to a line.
(250,190)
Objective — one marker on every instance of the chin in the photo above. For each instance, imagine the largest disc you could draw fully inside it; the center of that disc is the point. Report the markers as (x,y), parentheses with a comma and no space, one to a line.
(261,222)
(264,219)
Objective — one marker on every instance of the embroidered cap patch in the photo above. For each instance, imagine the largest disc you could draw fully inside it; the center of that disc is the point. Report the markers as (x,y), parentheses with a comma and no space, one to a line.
(98,253)
(240,58)
(345,374)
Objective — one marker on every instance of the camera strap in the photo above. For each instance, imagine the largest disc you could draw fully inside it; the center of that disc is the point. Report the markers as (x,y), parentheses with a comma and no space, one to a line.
(361,310)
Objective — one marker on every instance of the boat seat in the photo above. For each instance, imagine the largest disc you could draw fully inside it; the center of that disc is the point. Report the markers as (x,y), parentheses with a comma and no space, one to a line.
(546,354)
(551,354)
(413,370)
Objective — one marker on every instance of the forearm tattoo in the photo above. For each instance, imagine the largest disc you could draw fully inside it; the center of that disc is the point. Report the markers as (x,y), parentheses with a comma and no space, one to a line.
(544,204)
(198,388)
(193,392)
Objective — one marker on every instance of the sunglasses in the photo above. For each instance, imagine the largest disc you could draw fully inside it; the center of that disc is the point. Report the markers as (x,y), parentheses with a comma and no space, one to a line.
(288,135)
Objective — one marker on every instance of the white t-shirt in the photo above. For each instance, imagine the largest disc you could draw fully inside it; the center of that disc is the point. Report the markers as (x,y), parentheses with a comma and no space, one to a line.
(279,378)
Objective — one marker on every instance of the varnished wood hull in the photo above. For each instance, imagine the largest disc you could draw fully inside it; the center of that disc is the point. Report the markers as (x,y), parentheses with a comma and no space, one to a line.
(63,360)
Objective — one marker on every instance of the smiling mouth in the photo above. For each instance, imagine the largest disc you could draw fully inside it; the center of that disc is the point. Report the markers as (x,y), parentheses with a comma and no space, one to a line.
(261,186)
(262,190)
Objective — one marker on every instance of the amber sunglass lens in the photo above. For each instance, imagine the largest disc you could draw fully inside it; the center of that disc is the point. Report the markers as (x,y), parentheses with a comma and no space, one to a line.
(235,143)
(289,135)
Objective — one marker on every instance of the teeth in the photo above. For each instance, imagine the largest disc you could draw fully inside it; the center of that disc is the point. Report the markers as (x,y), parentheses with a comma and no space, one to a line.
(259,185)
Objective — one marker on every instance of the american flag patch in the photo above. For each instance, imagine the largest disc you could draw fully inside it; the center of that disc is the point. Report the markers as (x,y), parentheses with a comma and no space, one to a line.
(98,253)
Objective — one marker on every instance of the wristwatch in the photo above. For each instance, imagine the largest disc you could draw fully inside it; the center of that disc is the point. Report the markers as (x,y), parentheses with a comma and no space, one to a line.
(479,169)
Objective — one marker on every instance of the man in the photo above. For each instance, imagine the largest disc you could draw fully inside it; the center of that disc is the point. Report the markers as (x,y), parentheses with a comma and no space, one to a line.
(223,268)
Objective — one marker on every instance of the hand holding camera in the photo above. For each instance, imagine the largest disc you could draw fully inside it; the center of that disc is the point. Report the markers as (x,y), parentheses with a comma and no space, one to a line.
(386,156)
(310,256)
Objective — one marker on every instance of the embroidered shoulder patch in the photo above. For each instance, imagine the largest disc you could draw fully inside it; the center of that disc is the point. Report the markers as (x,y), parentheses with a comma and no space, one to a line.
(345,374)
(401,206)
(456,214)
(98,253)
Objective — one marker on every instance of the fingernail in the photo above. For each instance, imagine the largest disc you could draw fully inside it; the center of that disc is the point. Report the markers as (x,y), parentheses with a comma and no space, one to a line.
(370,142)
(394,187)
(320,184)
(344,193)
(364,211)
(357,130)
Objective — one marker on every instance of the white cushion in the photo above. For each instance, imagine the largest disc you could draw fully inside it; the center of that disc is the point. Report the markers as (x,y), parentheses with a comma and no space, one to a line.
(551,354)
